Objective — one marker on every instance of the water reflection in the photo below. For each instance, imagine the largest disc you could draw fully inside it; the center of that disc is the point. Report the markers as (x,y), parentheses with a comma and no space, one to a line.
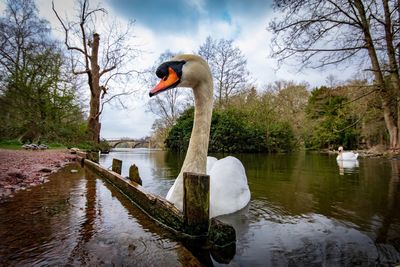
(87,227)
(79,220)
(347,166)
(157,169)
(305,212)
(302,212)
(389,230)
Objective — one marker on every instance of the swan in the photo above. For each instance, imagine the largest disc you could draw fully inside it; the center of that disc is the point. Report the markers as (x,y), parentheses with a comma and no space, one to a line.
(229,191)
(346,155)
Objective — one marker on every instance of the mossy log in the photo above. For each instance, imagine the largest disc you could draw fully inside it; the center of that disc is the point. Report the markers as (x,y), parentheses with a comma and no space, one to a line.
(163,211)
(158,208)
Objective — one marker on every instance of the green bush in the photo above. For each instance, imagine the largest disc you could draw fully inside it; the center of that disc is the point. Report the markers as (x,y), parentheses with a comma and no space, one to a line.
(280,137)
(179,136)
(231,132)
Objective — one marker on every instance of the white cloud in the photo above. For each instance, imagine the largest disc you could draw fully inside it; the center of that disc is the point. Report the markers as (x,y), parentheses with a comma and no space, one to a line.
(199,5)
(132,122)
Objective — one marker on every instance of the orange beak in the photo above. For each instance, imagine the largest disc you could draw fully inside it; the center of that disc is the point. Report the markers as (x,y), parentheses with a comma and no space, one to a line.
(167,82)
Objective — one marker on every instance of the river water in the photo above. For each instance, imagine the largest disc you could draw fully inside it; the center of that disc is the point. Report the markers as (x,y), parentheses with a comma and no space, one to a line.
(305,210)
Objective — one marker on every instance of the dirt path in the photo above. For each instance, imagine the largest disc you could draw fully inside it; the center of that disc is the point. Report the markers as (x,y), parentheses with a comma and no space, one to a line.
(21,169)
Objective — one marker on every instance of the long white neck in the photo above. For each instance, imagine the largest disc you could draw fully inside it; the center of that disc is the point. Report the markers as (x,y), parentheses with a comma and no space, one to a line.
(196,156)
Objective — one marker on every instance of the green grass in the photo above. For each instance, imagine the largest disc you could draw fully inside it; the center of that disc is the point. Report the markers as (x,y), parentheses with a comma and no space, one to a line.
(17,145)
(10,144)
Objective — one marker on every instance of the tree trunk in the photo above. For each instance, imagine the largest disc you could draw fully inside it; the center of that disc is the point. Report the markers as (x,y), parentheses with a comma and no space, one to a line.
(390,120)
(95,89)
(94,125)
(394,70)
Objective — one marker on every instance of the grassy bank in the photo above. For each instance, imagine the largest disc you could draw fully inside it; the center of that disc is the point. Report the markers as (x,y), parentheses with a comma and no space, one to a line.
(87,146)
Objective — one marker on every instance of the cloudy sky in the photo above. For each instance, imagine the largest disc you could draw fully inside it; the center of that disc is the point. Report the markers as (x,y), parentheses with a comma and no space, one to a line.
(183,25)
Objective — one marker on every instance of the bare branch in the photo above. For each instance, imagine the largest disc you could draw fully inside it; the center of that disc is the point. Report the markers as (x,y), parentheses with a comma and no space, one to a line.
(79,72)
(107,70)
(82,26)
(116,96)
(66,30)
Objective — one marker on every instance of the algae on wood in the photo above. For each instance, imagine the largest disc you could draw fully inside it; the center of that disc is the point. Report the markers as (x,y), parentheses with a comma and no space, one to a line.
(116,166)
(220,235)
(196,203)
(134,174)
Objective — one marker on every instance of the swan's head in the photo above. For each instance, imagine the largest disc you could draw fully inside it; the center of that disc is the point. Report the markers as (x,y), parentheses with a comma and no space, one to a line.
(182,71)
(340,149)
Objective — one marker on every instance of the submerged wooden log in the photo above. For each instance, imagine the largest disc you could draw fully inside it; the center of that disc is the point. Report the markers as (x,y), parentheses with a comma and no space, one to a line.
(134,174)
(221,235)
(196,203)
(158,208)
(116,166)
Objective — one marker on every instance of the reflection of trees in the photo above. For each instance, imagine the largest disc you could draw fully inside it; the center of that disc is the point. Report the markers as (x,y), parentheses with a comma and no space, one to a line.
(86,229)
(166,165)
(187,254)
(174,161)
(303,183)
(90,208)
(393,200)
(296,182)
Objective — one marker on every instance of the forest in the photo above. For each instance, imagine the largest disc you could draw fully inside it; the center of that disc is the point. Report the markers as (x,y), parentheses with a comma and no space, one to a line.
(53,90)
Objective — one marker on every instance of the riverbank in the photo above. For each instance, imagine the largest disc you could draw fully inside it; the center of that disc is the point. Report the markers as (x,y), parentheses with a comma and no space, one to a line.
(373,152)
(21,169)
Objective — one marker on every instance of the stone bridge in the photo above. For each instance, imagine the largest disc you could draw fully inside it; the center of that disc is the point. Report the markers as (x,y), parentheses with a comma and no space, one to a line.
(129,143)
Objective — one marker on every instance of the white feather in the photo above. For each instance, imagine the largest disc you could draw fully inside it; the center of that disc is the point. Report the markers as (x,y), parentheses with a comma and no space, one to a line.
(347,156)
(229,191)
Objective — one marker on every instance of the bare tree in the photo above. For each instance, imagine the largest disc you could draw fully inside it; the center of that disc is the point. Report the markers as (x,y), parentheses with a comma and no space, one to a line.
(228,66)
(107,65)
(320,33)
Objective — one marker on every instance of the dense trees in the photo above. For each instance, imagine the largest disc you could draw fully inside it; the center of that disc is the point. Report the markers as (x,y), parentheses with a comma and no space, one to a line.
(330,120)
(320,33)
(37,98)
(286,116)
(229,133)
(248,124)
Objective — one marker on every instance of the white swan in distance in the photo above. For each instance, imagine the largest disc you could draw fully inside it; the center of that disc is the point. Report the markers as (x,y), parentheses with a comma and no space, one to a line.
(346,156)
(229,191)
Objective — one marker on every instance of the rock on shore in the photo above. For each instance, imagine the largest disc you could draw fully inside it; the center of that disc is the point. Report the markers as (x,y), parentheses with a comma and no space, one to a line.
(21,169)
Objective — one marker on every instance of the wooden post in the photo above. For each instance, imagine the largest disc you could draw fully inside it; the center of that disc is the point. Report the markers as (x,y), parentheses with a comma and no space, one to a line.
(196,203)
(134,174)
(116,166)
